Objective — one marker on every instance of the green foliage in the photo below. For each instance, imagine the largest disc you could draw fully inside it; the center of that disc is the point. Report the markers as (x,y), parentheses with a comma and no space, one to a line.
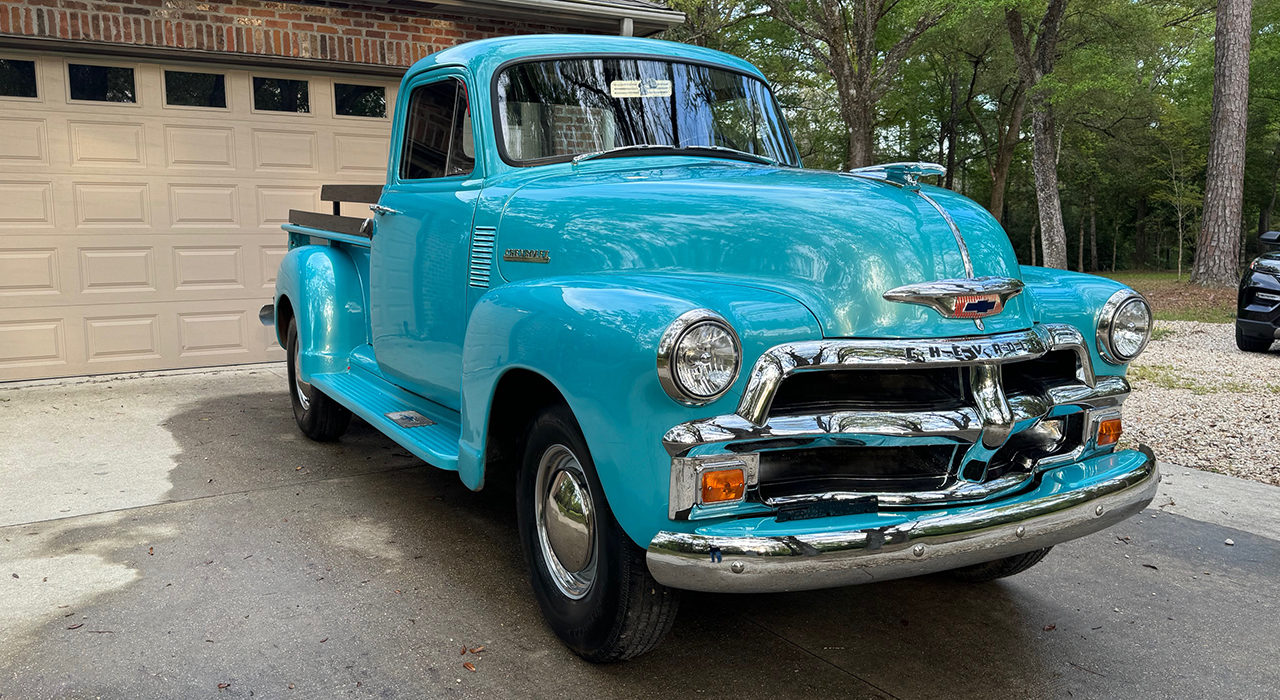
(1131,89)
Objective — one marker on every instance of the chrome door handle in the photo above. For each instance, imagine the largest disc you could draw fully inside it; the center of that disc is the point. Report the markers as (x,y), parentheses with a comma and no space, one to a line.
(379,209)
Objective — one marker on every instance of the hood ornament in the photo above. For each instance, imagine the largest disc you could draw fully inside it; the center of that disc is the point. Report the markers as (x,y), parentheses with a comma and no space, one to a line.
(906,175)
(974,298)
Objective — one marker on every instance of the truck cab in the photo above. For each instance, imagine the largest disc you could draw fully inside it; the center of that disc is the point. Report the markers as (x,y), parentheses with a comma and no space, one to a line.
(599,272)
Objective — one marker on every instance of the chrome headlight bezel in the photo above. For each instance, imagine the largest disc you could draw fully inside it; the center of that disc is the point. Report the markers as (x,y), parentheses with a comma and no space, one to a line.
(1106,326)
(676,332)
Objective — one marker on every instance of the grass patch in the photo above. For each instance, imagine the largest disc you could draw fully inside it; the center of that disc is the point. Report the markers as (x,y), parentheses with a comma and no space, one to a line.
(1166,377)
(1174,300)
(1161,332)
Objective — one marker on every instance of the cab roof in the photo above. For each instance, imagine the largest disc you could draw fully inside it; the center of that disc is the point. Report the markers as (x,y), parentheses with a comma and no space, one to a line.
(484,57)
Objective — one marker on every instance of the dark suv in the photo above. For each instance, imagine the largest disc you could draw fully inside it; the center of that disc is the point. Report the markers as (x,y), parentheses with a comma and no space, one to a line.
(1258,304)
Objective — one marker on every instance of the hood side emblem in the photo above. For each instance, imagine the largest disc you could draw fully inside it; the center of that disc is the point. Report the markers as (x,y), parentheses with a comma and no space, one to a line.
(974,298)
(526,255)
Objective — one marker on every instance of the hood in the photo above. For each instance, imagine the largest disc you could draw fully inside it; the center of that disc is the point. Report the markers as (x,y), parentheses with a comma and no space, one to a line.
(834,243)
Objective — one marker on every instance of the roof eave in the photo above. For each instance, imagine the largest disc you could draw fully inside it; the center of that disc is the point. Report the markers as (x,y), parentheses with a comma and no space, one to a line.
(591,15)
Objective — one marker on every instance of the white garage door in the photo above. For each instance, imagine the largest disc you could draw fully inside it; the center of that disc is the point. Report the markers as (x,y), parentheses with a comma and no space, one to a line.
(141,203)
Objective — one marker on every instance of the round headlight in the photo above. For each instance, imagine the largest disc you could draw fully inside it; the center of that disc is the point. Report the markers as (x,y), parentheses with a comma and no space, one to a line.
(698,357)
(1124,327)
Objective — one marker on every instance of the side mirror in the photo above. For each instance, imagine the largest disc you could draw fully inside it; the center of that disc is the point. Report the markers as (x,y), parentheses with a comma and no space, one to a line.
(1270,239)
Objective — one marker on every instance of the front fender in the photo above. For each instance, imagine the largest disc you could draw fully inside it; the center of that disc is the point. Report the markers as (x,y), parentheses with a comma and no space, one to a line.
(595,338)
(1061,296)
(323,286)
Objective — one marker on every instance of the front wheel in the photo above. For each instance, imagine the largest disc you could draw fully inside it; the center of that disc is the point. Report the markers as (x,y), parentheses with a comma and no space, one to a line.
(590,579)
(319,417)
(1000,568)
(1249,343)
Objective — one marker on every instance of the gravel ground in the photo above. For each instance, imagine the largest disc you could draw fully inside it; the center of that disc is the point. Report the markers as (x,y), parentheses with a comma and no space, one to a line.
(1200,402)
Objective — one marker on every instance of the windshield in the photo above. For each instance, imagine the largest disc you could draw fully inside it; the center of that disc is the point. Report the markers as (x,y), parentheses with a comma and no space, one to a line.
(553,110)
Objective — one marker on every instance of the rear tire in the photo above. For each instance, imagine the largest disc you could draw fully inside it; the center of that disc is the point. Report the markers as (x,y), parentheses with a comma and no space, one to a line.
(1250,343)
(1000,568)
(590,579)
(318,417)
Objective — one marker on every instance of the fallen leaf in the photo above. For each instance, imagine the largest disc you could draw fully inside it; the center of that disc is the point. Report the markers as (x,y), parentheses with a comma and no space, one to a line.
(16,576)
(1050,628)
(223,686)
(76,626)
(469,666)
(151,551)
(322,641)
(477,650)
(290,686)
(1152,566)
(1229,543)
(463,652)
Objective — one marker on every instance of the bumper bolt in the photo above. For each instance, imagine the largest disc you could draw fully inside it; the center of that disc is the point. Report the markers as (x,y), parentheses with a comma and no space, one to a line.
(918,550)
(1022,530)
(737,567)
(1098,510)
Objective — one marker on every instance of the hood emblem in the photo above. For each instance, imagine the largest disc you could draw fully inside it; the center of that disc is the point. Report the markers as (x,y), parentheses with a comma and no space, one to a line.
(526,255)
(974,298)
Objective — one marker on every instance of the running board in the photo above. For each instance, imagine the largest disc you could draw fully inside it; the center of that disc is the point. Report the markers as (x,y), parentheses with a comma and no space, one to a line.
(428,430)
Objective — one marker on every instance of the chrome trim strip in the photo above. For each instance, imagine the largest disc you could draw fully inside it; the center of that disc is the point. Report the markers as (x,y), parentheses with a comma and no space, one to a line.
(958,493)
(955,231)
(780,361)
(933,542)
(963,424)
(1107,316)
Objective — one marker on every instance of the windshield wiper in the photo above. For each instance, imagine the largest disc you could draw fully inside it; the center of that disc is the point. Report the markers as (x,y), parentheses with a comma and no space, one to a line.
(724,151)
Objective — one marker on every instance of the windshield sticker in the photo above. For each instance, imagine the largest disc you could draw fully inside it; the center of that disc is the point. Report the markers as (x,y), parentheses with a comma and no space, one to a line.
(640,88)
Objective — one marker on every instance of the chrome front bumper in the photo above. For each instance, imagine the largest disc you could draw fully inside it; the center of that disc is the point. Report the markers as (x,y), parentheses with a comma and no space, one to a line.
(1059,509)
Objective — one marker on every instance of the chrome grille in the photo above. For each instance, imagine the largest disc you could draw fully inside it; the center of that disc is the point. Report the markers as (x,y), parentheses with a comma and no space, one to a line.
(482,242)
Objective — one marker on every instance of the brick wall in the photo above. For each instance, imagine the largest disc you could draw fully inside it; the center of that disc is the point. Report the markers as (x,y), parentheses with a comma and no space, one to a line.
(321,30)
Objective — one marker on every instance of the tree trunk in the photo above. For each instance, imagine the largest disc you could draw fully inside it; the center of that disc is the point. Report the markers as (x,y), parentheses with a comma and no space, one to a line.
(1053,235)
(1080,259)
(1218,247)
(1140,235)
(1115,238)
(953,125)
(1007,140)
(1033,244)
(1093,234)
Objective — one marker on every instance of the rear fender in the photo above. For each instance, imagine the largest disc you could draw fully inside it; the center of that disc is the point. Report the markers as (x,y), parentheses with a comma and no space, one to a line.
(328,298)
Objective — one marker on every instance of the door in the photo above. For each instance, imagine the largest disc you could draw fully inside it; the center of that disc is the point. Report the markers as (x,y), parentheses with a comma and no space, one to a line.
(141,203)
(418,266)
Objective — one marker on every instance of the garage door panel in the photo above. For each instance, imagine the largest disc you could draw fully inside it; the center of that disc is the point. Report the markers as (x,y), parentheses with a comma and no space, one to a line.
(144,237)
(202,147)
(111,339)
(28,271)
(204,206)
(25,142)
(112,205)
(290,151)
(107,144)
(275,201)
(27,204)
(118,270)
(208,267)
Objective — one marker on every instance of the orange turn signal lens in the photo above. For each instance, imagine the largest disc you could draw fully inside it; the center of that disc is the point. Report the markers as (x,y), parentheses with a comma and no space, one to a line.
(1109,432)
(723,485)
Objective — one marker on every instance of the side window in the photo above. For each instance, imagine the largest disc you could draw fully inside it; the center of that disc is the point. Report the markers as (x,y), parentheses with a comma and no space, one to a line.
(437,134)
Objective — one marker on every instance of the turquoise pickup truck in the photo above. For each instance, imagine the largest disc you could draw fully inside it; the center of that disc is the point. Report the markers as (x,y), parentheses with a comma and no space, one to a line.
(599,273)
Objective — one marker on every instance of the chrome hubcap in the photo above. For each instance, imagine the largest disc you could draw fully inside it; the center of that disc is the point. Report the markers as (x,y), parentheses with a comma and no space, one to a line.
(301,388)
(566,522)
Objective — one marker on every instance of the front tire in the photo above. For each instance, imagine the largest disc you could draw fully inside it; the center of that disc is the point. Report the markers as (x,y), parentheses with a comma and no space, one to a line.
(590,579)
(318,417)
(1249,343)
(1000,568)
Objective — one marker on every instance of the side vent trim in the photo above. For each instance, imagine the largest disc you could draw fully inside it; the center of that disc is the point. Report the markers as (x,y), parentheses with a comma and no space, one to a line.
(482,242)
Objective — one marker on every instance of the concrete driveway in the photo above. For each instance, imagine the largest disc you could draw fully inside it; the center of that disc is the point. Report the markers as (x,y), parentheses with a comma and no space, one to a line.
(163,536)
